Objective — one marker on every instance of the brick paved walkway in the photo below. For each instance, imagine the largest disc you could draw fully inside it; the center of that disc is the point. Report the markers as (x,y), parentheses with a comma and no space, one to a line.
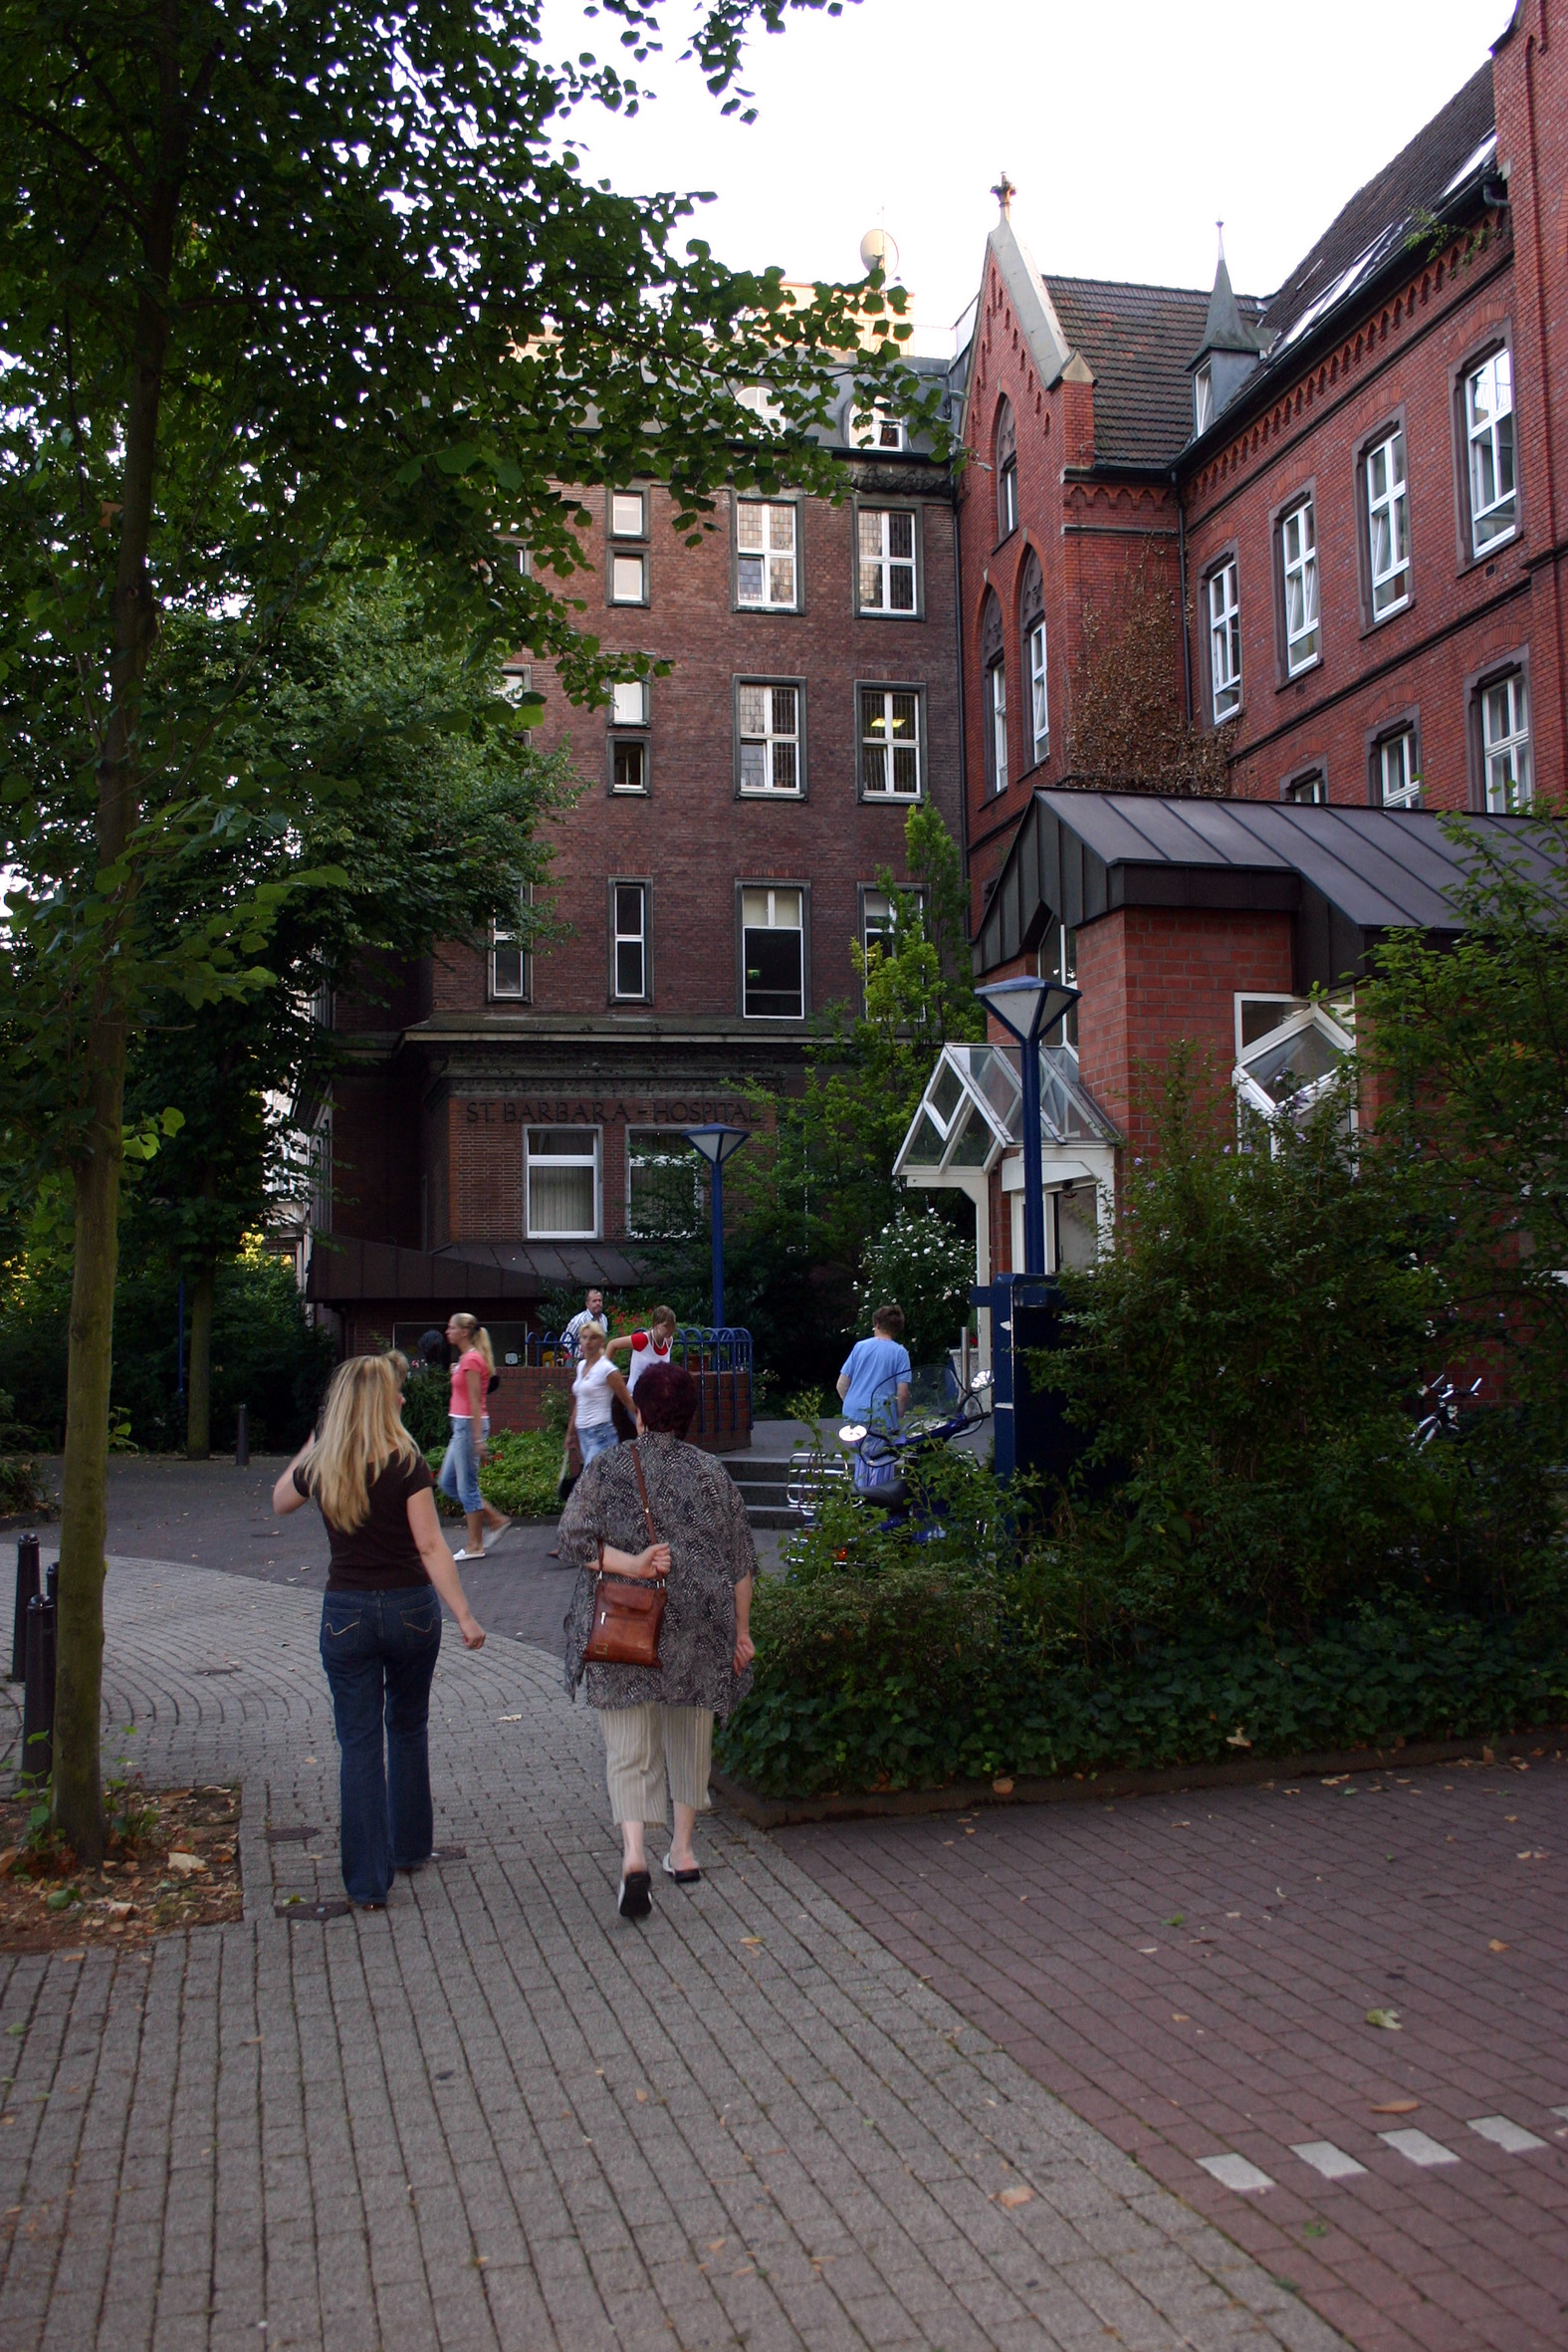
(1193,1976)
(496,2116)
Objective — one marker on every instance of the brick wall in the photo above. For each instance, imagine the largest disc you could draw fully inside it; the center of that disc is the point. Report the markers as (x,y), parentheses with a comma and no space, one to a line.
(1153,976)
(692,838)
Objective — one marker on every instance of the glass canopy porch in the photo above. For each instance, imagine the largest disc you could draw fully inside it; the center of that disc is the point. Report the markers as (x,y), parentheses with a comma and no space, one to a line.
(969,1114)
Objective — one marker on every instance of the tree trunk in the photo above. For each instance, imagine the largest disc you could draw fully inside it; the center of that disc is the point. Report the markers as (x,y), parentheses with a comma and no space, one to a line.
(77,1796)
(84,1515)
(198,1394)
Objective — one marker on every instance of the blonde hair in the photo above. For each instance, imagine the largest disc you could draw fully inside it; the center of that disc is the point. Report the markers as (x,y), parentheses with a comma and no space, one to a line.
(361,1432)
(593,1332)
(478,1337)
(399,1363)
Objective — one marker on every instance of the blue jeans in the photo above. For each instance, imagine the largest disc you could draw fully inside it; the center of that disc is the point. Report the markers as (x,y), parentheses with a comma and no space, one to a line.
(380,1650)
(459,1470)
(597,1440)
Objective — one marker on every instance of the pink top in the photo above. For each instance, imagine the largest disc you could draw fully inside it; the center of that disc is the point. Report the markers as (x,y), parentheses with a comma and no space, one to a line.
(469,1361)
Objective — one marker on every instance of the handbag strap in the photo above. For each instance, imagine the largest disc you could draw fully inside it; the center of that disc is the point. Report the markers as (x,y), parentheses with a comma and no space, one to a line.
(642,1488)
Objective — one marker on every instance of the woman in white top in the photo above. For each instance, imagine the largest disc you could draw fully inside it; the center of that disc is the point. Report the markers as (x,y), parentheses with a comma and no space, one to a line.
(598,1382)
(647,1348)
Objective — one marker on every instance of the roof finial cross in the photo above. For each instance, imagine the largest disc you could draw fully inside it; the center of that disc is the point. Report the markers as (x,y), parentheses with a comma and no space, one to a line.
(1004,191)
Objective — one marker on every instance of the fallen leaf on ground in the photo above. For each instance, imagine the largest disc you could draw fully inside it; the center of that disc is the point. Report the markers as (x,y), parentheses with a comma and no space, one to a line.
(1002,1787)
(641,2099)
(8,1860)
(1015,2196)
(509,1719)
(186,1864)
(751,1939)
(1180,2018)
(1387,2019)
(1396,2107)
(1496,1946)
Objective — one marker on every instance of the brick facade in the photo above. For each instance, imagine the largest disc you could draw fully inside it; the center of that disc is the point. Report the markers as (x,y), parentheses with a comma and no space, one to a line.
(444,1085)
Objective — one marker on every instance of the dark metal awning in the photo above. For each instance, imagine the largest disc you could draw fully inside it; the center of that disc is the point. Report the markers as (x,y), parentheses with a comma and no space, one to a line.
(1347,875)
(344,1269)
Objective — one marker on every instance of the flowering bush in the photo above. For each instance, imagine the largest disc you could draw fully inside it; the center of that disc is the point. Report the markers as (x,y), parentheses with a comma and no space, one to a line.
(926,1265)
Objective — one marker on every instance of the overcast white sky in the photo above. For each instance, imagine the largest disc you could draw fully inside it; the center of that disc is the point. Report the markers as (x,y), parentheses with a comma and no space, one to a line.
(1129,131)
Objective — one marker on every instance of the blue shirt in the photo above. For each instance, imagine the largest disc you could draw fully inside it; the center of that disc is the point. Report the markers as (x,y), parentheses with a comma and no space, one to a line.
(875,1367)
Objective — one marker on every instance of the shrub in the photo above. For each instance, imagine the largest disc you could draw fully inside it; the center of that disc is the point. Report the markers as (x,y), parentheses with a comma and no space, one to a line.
(427,1400)
(520,1473)
(923,1263)
(22,1492)
(1243,1368)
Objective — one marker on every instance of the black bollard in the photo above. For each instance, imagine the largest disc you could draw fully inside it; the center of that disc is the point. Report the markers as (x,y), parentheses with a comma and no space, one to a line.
(26,1590)
(38,1700)
(242,1439)
(52,1582)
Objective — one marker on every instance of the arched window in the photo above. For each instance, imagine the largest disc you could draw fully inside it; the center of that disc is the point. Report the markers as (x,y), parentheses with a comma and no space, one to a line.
(1031,635)
(1006,460)
(993,662)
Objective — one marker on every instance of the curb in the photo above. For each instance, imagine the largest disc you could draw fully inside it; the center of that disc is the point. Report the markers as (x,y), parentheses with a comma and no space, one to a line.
(966,1797)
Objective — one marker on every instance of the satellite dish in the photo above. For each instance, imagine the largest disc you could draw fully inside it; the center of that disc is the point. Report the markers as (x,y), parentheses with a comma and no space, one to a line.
(879,251)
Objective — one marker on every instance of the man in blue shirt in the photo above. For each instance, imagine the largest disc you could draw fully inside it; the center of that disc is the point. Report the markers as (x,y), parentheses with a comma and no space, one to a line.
(874,1386)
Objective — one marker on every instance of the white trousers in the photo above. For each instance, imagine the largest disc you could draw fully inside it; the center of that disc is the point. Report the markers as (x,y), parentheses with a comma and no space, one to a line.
(646,1745)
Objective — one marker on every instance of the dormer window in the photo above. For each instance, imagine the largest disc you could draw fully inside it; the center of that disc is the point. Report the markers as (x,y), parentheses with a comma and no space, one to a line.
(1203,399)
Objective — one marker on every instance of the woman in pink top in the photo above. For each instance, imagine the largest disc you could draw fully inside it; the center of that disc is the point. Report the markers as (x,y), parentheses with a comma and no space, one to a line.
(471,1376)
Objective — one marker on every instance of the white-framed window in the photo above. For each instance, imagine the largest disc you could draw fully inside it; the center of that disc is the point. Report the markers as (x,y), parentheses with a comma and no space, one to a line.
(1203,397)
(1298,566)
(663,1189)
(878,925)
(876,429)
(1225,640)
(890,742)
(629,764)
(1388,525)
(629,942)
(1505,744)
(629,702)
(517,679)
(1057,959)
(1040,698)
(628,578)
(628,517)
(1489,431)
(769,720)
(773,954)
(508,962)
(1008,497)
(996,726)
(766,567)
(562,1183)
(1399,785)
(1308,792)
(885,547)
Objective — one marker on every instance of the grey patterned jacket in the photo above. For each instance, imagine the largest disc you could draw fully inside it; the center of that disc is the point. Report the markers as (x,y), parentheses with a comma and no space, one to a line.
(698,1511)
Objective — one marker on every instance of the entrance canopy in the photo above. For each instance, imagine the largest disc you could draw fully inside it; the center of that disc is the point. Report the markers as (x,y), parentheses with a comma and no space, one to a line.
(970,1112)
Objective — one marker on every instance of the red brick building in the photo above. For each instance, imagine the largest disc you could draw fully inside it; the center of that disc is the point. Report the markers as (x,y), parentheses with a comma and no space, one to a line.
(1346,499)
(512,1122)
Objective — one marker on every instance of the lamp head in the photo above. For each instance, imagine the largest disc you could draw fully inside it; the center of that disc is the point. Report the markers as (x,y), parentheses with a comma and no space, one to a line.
(1029,1005)
(717,1143)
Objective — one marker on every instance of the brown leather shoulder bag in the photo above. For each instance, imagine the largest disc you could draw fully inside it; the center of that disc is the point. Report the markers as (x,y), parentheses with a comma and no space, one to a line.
(627,1611)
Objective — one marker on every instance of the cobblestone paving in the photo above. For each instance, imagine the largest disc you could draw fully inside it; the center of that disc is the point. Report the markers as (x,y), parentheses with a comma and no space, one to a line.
(1192,1975)
(497,2116)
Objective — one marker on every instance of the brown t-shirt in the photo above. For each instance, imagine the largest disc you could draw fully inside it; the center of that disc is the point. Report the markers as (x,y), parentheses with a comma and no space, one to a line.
(381,1556)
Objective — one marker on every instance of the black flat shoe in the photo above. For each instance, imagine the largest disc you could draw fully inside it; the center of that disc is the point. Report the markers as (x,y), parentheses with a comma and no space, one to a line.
(636,1895)
(682,1878)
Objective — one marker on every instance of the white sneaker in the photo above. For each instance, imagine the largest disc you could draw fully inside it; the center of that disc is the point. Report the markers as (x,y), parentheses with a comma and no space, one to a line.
(464,1553)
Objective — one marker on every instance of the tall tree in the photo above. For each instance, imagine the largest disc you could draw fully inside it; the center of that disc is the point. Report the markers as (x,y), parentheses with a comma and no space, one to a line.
(285,284)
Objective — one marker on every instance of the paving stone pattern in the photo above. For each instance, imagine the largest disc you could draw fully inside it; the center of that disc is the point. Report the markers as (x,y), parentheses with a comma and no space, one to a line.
(494,2115)
(1193,1976)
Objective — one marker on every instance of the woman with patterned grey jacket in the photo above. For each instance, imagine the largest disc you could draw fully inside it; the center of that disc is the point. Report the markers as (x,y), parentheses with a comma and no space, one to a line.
(658,1721)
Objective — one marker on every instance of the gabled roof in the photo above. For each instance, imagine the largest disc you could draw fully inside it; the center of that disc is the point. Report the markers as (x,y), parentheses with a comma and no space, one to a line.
(1225,329)
(1348,874)
(1455,144)
(1139,340)
(1037,320)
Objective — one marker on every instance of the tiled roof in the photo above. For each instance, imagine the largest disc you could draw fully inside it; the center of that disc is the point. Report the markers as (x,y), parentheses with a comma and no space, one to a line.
(1138,340)
(1436,162)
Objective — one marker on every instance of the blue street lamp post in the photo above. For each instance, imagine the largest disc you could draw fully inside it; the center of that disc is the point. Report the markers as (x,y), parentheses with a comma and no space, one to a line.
(1027,1008)
(717,1144)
